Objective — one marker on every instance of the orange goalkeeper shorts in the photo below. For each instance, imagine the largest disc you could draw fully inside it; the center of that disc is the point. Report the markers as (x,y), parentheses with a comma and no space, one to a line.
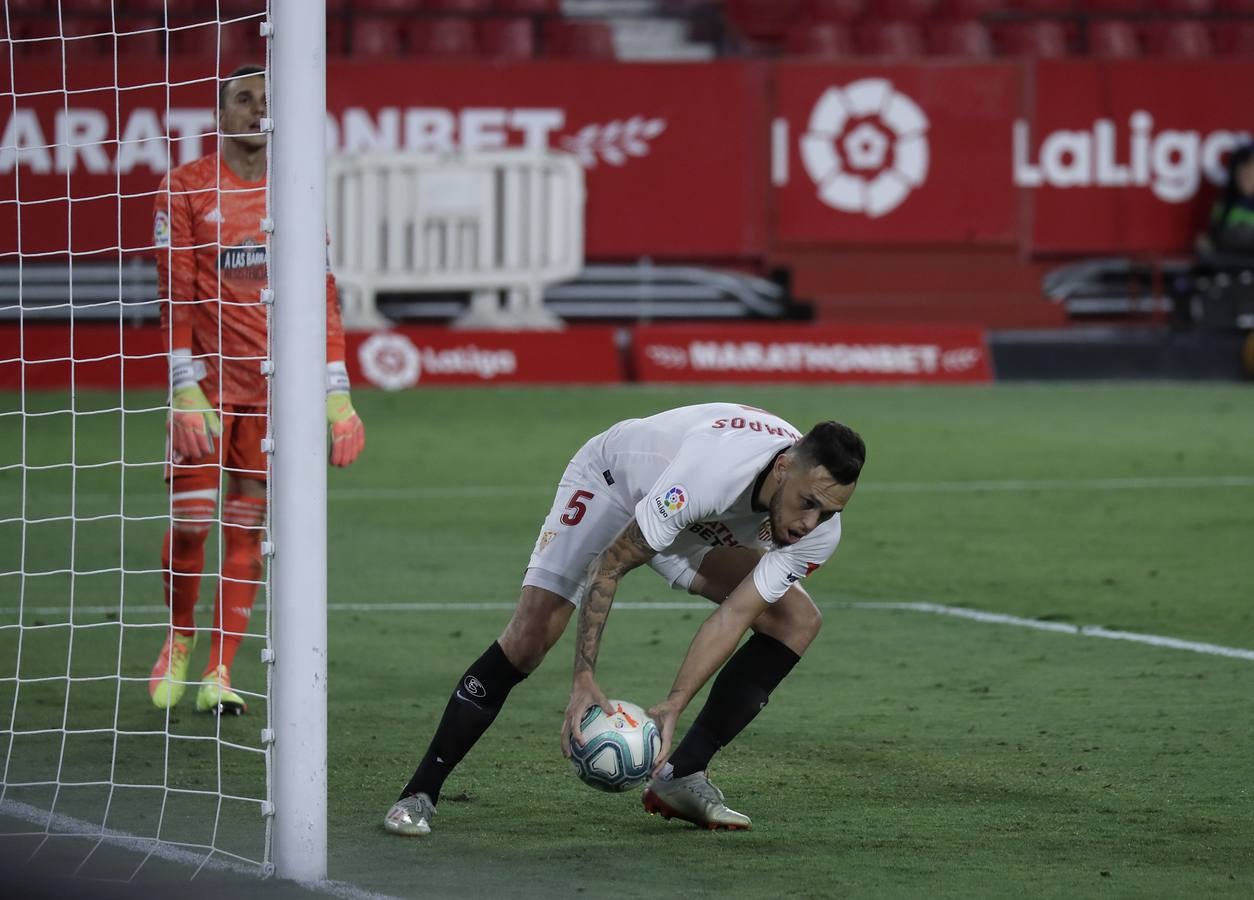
(237,451)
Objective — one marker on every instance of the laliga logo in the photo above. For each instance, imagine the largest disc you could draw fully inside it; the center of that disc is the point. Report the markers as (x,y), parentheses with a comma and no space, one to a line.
(866,147)
(390,360)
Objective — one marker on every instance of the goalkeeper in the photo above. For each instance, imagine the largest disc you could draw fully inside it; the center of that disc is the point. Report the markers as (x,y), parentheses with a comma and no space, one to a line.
(211,268)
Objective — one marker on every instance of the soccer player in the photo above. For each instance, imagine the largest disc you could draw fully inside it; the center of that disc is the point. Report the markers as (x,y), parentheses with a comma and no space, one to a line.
(211,268)
(728,502)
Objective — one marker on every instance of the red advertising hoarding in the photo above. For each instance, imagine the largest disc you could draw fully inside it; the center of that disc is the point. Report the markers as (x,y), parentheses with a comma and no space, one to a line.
(688,161)
(810,353)
(1126,157)
(674,155)
(405,357)
(105,357)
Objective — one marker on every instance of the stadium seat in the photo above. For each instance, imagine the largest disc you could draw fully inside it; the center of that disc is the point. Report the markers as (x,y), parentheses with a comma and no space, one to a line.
(763,20)
(968,39)
(229,43)
(891,39)
(834,10)
(1183,7)
(529,7)
(337,34)
(389,6)
(1178,40)
(1113,39)
(512,38)
(1235,6)
(456,7)
(959,10)
(1234,38)
(821,39)
(1040,39)
(442,38)
(578,39)
(1113,7)
(901,10)
(1044,7)
(375,37)
(83,45)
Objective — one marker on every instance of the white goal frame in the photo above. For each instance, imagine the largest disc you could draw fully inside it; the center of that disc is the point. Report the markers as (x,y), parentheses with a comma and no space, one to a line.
(297,197)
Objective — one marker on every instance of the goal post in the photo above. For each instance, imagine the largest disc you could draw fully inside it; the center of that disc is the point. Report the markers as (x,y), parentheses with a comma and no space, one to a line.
(108,771)
(298,419)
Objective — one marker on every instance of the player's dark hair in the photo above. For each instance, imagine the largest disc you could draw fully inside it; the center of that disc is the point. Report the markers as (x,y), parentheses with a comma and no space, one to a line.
(240,72)
(835,447)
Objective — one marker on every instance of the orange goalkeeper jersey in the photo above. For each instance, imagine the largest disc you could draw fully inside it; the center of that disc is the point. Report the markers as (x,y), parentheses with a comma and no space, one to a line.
(211,268)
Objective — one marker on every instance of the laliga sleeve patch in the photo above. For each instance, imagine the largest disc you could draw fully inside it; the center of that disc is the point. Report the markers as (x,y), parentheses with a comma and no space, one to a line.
(161,229)
(671,501)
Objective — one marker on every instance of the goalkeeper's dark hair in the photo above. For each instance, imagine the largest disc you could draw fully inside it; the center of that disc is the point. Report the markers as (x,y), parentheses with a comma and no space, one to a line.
(835,447)
(240,72)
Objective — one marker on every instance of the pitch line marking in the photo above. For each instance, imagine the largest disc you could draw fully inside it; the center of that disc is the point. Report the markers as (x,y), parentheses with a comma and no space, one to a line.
(960,612)
(902,487)
(1005,485)
(70,827)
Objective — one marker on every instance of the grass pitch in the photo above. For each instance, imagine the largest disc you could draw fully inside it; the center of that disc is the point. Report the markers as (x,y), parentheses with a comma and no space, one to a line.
(908,754)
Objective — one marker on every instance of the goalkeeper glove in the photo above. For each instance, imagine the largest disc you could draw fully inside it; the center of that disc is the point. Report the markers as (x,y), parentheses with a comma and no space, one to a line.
(348,435)
(193,422)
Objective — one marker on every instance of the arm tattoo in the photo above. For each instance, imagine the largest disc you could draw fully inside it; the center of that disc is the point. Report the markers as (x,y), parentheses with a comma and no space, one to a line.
(628,551)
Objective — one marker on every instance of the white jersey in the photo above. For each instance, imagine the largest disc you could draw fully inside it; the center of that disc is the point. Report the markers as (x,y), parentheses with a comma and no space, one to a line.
(691,473)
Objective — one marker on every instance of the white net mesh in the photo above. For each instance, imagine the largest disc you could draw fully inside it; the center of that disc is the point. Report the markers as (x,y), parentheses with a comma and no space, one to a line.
(99,99)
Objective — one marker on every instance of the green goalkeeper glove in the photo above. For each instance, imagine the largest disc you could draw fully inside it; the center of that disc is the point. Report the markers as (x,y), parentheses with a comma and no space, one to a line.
(348,434)
(193,422)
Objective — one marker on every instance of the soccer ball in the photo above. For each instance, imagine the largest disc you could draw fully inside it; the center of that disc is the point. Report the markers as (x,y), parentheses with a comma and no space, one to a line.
(619,749)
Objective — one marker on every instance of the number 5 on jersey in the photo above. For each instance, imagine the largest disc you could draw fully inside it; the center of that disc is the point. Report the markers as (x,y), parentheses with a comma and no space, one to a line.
(576,507)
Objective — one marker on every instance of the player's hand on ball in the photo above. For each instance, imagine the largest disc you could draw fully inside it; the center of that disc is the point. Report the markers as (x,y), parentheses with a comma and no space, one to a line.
(348,434)
(193,423)
(666,715)
(584,693)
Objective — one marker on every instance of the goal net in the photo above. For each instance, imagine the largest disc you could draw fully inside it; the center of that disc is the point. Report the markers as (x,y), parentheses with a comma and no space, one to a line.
(99,100)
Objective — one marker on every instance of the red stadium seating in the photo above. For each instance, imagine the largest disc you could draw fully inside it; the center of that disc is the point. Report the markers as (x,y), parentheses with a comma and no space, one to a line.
(763,20)
(901,9)
(970,9)
(1040,39)
(529,7)
(442,38)
(1114,6)
(1184,7)
(455,7)
(1235,6)
(387,6)
(240,41)
(578,39)
(1113,39)
(834,10)
(827,40)
(1234,38)
(969,38)
(1178,40)
(1044,7)
(337,36)
(513,38)
(375,37)
(891,39)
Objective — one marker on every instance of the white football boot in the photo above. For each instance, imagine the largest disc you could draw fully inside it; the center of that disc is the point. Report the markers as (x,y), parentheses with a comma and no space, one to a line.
(410,816)
(694,799)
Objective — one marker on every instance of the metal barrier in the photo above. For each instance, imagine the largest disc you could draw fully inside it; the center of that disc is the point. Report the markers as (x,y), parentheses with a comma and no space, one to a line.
(499,225)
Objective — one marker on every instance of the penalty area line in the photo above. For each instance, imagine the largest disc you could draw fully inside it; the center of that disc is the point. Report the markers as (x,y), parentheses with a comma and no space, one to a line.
(1094,631)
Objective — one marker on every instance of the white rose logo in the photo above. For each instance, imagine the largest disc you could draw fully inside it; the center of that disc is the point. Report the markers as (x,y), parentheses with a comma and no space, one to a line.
(390,361)
(866,147)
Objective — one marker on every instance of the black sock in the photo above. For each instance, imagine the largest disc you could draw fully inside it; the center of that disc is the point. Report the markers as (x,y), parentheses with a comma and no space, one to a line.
(476,700)
(739,693)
